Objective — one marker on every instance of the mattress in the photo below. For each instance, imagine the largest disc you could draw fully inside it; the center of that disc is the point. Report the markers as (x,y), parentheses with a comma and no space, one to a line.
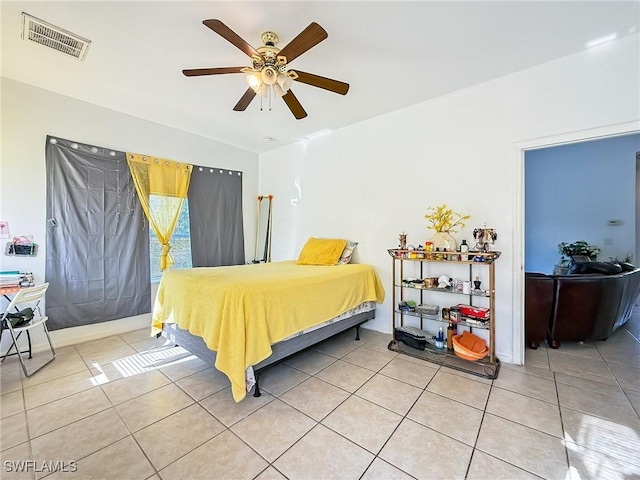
(363,307)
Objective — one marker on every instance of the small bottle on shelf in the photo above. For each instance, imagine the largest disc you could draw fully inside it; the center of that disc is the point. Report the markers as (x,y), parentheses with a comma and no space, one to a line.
(440,339)
(428,247)
(450,333)
(464,248)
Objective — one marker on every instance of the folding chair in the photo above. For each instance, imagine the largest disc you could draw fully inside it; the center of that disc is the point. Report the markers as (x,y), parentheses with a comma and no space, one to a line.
(21,320)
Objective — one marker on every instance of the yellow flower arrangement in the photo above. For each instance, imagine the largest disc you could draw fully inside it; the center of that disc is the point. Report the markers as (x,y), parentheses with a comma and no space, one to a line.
(443,219)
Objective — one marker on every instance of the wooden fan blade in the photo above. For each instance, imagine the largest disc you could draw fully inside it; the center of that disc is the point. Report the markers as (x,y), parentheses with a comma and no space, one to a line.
(308,38)
(294,105)
(244,102)
(195,72)
(229,35)
(322,82)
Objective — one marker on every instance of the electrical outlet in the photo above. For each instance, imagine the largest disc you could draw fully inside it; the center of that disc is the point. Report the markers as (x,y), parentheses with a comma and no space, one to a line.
(608,241)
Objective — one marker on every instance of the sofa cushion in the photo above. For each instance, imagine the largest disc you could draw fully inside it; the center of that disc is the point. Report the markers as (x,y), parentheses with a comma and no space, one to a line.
(604,268)
(627,267)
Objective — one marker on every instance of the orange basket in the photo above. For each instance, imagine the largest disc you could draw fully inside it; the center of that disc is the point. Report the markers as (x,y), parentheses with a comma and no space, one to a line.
(470,346)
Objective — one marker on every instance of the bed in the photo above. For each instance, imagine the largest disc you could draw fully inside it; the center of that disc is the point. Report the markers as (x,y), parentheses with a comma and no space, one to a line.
(250,316)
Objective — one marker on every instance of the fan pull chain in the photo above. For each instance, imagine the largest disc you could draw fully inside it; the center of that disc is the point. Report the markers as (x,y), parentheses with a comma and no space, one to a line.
(268,98)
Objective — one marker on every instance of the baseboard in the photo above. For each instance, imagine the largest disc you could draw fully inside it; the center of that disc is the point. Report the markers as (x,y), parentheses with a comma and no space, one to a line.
(73,335)
(504,358)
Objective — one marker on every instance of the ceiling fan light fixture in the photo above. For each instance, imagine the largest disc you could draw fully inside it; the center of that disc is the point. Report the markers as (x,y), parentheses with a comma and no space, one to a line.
(278,90)
(284,82)
(268,75)
(254,80)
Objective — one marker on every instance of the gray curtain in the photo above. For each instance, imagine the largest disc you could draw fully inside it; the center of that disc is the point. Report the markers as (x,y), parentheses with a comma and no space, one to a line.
(215,217)
(97,261)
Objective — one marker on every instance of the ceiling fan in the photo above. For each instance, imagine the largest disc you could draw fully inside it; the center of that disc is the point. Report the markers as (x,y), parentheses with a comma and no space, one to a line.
(269,73)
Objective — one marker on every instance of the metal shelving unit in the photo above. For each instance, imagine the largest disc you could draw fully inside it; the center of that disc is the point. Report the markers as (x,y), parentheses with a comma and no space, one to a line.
(489,366)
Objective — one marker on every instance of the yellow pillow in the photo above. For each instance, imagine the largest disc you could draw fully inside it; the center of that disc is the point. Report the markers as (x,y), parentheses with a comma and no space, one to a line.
(321,251)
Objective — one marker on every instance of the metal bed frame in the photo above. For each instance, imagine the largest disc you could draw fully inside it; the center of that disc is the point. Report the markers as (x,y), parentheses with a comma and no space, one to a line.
(281,350)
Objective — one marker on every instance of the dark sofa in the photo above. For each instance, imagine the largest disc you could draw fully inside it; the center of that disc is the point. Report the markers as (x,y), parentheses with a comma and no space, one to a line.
(575,308)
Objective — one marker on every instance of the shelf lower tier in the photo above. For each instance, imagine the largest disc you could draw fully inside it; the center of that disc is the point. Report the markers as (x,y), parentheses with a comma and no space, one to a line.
(437,318)
(472,293)
(482,368)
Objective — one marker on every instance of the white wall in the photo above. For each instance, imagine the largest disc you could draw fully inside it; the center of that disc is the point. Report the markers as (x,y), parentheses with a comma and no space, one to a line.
(370,181)
(29,114)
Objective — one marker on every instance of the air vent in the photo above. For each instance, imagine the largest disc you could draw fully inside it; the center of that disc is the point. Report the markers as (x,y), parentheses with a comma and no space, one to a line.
(56,38)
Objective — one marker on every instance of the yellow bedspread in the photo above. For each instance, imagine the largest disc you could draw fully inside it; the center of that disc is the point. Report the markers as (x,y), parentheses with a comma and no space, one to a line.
(241,311)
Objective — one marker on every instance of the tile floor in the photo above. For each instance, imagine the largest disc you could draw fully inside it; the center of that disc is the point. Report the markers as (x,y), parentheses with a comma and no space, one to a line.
(131,407)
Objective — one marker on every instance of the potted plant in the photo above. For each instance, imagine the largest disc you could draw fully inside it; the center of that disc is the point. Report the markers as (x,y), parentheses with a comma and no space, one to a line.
(578,248)
(444,221)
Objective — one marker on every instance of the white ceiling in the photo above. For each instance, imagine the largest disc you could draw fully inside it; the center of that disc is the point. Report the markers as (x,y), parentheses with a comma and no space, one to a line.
(393,54)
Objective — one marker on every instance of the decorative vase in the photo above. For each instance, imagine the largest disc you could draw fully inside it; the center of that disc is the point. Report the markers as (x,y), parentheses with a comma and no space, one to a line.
(444,241)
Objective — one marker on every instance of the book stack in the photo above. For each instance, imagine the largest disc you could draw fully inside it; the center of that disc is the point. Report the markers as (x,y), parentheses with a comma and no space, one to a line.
(11,280)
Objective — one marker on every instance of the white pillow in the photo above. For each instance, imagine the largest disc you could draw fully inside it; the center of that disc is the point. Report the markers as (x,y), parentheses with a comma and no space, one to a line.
(345,257)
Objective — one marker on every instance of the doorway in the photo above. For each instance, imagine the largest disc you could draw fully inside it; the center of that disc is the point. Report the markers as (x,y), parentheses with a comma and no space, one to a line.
(637,253)
(519,246)
(583,191)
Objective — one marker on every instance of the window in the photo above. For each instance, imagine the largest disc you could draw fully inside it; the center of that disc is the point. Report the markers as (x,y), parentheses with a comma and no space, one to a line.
(180,244)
